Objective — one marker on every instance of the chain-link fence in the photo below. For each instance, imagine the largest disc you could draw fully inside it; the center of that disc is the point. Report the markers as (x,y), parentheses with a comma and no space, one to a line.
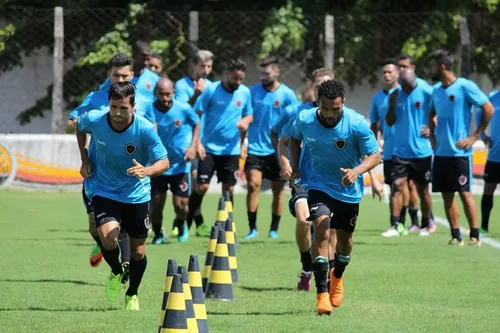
(360,42)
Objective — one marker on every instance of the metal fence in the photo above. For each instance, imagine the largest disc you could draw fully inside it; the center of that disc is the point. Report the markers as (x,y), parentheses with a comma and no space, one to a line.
(353,44)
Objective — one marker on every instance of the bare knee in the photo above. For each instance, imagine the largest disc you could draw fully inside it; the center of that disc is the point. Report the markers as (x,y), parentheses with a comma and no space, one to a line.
(137,249)
(397,186)
(202,189)
(110,242)
(181,207)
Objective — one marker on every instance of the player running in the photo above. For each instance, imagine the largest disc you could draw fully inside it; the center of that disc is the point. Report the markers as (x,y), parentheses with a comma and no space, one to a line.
(119,185)
(336,139)
(269,97)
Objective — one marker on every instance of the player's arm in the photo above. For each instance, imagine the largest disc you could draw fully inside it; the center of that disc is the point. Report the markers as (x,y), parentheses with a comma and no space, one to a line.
(390,117)
(375,122)
(295,150)
(158,154)
(84,127)
(194,120)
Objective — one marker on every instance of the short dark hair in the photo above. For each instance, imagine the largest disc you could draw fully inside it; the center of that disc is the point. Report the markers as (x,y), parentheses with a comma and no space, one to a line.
(443,57)
(404,56)
(156,56)
(120,60)
(323,71)
(331,89)
(236,65)
(121,90)
(271,60)
(388,61)
(141,45)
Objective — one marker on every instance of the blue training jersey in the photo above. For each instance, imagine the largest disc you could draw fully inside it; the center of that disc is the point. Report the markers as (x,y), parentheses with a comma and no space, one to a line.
(267,106)
(114,152)
(175,128)
(331,149)
(223,110)
(412,112)
(96,100)
(378,110)
(143,108)
(424,85)
(453,106)
(145,84)
(494,150)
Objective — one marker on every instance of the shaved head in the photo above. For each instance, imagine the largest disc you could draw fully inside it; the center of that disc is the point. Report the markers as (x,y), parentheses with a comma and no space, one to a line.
(407,77)
(164,83)
(164,92)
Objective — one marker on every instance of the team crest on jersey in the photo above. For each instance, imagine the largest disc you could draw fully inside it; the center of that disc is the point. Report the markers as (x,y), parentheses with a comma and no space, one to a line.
(177,123)
(418,104)
(462,180)
(238,103)
(146,222)
(184,186)
(276,103)
(340,143)
(130,148)
(148,86)
(452,98)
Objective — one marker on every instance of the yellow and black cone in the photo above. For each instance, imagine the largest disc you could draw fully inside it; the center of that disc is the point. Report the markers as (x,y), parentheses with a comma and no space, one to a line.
(220,283)
(221,217)
(230,214)
(175,314)
(191,319)
(171,270)
(200,310)
(233,263)
(209,259)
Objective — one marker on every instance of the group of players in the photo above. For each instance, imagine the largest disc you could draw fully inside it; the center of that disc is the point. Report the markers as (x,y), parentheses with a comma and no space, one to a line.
(140,135)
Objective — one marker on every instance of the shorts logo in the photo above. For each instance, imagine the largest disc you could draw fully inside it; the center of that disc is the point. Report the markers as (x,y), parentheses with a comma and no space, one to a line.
(130,148)
(276,104)
(428,175)
(146,222)
(184,187)
(238,103)
(462,180)
(418,104)
(452,98)
(177,123)
(353,221)
(148,86)
(340,143)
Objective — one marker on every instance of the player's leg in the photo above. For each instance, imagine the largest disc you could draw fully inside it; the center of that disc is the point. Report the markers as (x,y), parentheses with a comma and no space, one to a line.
(253,173)
(159,187)
(227,167)
(124,245)
(399,175)
(491,179)
(331,248)
(197,216)
(272,171)
(387,165)
(413,207)
(206,170)
(179,186)
(95,254)
(420,176)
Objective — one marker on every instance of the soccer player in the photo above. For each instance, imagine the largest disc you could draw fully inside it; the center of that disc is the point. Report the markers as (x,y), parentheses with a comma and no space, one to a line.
(227,107)
(189,89)
(492,167)
(155,63)
(119,185)
(269,97)
(336,138)
(412,156)
(452,107)
(177,129)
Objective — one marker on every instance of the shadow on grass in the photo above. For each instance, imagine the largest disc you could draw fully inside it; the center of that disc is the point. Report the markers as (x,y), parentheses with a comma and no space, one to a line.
(68,230)
(256,313)
(77,282)
(261,289)
(259,242)
(53,239)
(33,308)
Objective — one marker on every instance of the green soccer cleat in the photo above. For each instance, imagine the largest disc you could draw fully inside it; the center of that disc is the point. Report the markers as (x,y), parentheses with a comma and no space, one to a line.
(113,286)
(402,230)
(203,231)
(131,303)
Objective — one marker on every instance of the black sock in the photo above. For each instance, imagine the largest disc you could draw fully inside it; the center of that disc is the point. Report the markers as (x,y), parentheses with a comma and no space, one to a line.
(252,220)
(320,268)
(340,263)
(394,220)
(425,222)
(331,263)
(112,259)
(124,244)
(402,215)
(198,219)
(156,223)
(137,269)
(455,233)
(179,223)
(486,206)
(306,259)
(275,222)
(97,240)
(413,216)
(195,201)
(474,233)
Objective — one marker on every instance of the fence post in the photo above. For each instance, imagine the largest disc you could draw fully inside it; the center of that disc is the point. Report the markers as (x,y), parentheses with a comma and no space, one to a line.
(329,42)
(58,69)
(465,49)
(193,30)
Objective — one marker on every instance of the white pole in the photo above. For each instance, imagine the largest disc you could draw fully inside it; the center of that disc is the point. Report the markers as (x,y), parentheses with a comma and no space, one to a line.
(57,91)
(329,41)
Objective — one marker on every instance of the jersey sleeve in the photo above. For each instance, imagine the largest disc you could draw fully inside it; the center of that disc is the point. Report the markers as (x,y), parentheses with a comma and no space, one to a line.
(85,123)
(366,139)
(204,100)
(291,98)
(191,117)
(373,112)
(296,132)
(474,95)
(105,85)
(180,92)
(149,113)
(248,109)
(81,109)
(282,119)
(156,149)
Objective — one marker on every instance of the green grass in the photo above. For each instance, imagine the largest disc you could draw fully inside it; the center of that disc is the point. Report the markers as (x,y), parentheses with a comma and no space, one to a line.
(408,284)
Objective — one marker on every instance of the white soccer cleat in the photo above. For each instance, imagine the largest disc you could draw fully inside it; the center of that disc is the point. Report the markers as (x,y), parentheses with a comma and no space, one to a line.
(391,232)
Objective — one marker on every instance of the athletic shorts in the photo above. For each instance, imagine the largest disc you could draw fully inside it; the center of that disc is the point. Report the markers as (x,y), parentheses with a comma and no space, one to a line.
(86,202)
(226,167)
(343,215)
(491,172)
(178,184)
(416,169)
(268,165)
(451,174)
(133,218)
(297,195)
(387,172)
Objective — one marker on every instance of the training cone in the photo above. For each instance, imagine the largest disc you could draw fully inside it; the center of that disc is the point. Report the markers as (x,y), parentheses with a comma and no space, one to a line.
(233,263)
(191,319)
(175,314)
(220,284)
(171,270)
(200,310)
(209,259)
(230,214)
(221,217)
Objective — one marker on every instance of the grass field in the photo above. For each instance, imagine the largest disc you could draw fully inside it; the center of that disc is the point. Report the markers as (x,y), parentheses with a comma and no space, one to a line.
(407,284)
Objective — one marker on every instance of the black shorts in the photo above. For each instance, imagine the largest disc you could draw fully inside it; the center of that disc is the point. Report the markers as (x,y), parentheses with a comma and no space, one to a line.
(87,203)
(343,215)
(178,184)
(226,167)
(451,174)
(133,218)
(387,172)
(416,169)
(194,165)
(491,172)
(268,165)
(297,195)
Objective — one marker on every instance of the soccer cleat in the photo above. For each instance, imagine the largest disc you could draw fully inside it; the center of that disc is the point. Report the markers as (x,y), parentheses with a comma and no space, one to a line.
(203,231)
(185,234)
(391,232)
(113,287)
(126,272)
(424,232)
(273,234)
(456,242)
(336,290)
(252,234)
(483,231)
(304,281)
(175,232)
(401,229)
(323,305)
(475,242)
(414,229)
(432,227)
(158,239)
(95,255)
(131,303)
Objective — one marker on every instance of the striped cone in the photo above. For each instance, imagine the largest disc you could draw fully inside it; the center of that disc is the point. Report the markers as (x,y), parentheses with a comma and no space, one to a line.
(175,314)
(220,284)
(233,263)
(200,310)
(230,215)
(221,217)
(209,259)
(171,270)
(191,319)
